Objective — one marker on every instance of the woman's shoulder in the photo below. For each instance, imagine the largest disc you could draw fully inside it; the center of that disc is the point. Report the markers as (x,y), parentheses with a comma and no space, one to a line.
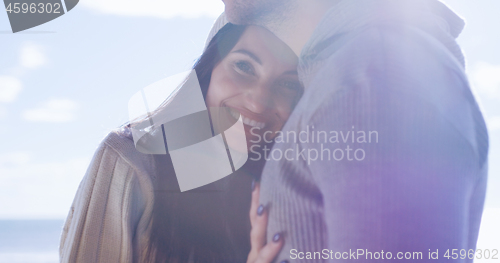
(118,145)
(116,188)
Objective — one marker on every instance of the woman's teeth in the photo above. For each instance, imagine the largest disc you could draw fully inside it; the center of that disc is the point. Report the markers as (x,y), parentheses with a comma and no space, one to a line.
(253,123)
(247,120)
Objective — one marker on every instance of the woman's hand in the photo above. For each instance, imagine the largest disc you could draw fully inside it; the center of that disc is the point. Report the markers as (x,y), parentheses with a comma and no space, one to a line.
(261,252)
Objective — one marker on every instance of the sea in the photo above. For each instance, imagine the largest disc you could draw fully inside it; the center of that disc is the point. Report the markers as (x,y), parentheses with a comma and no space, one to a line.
(37,241)
(30,241)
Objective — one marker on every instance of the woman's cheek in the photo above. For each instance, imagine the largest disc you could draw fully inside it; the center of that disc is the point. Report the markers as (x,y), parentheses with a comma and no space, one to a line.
(229,86)
(218,91)
(220,85)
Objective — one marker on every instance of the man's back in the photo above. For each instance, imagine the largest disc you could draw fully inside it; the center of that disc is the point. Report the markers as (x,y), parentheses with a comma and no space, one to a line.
(390,147)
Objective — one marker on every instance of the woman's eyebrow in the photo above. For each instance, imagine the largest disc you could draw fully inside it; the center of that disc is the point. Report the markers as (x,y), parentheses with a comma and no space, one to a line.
(250,54)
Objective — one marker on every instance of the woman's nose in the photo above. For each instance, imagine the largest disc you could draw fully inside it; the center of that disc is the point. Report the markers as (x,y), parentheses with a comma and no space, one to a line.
(259,99)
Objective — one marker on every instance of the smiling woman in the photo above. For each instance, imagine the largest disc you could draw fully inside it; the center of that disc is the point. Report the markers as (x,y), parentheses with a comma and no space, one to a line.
(129,207)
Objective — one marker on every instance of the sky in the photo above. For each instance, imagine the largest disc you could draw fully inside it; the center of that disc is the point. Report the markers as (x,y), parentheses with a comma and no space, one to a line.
(65,84)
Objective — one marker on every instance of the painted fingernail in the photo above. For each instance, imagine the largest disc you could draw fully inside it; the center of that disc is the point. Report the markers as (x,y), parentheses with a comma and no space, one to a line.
(253,185)
(277,237)
(260,210)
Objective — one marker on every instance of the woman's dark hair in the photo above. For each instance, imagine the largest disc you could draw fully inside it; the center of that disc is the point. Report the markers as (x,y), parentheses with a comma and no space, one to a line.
(187,227)
(217,49)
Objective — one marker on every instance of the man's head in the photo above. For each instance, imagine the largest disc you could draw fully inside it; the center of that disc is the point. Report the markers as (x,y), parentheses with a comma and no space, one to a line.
(257,12)
(293,21)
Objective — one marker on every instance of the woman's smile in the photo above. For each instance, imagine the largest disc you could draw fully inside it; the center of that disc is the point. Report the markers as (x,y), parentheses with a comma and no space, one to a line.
(246,120)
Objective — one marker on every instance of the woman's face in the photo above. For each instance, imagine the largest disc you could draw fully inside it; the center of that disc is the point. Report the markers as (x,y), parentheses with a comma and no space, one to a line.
(257,79)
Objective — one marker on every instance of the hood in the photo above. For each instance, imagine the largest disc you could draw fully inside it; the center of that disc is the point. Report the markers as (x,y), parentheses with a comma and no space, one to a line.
(431,16)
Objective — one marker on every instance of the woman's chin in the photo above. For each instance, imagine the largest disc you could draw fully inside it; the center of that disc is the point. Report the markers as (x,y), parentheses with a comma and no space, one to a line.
(236,138)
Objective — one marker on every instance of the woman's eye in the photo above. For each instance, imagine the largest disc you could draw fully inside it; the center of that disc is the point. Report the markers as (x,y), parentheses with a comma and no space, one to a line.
(244,67)
(291,85)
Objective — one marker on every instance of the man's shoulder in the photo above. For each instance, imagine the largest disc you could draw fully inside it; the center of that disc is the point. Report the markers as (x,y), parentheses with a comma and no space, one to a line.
(387,45)
(389,56)
(392,60)
(396,66)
